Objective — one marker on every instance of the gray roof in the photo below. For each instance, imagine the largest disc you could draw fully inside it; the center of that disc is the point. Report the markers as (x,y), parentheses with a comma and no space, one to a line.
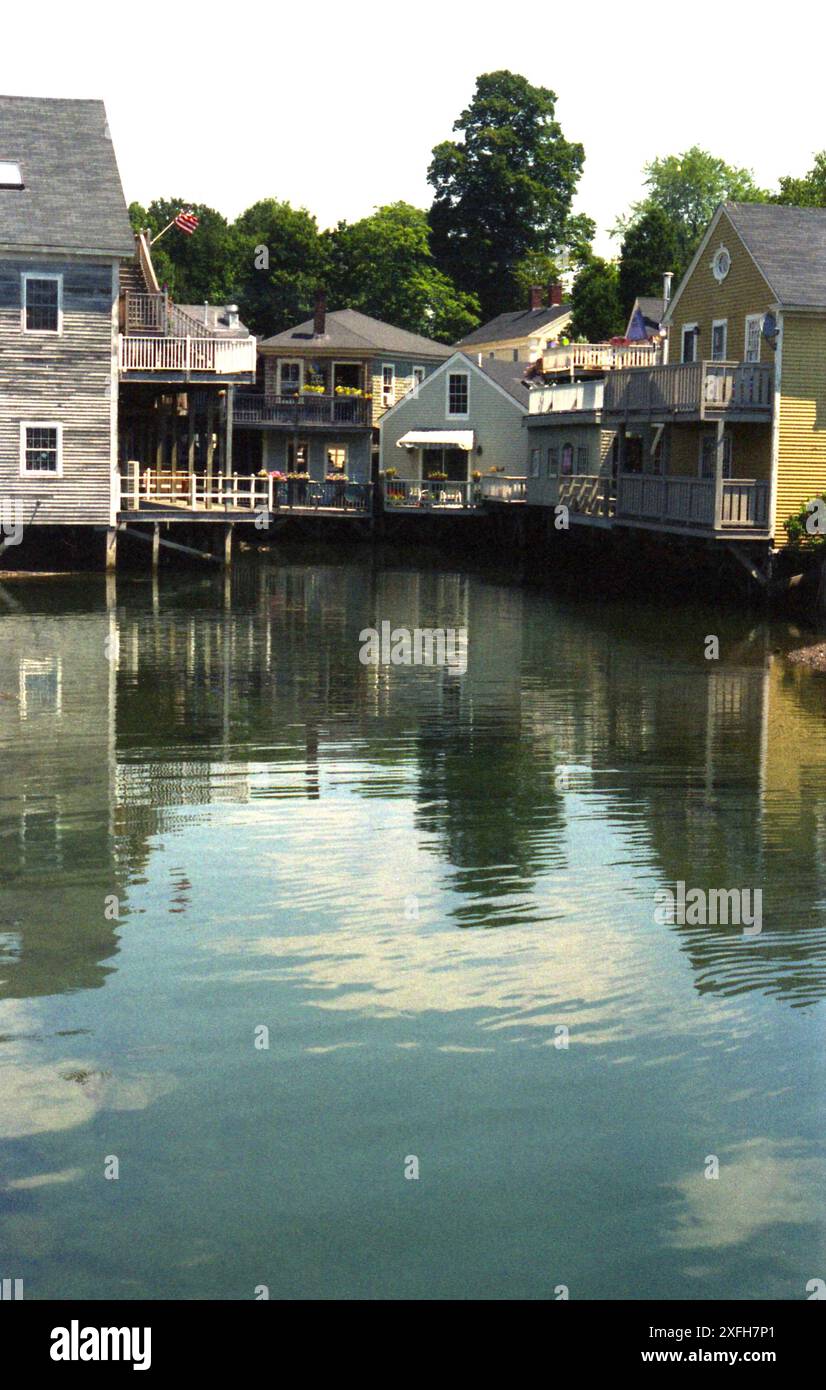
(214,317)
(72,195)
(348,330)
(789,246)
(650,308)
(508,375)
(519,324)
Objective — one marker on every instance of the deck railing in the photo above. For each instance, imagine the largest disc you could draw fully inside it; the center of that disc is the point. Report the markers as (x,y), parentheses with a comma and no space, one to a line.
(587,494)
(430,496)
(691,501)
(237,493)
(308,408)
(501,487)
(705,389)
(599,356)
(155,313)
(220,356)
(566,395)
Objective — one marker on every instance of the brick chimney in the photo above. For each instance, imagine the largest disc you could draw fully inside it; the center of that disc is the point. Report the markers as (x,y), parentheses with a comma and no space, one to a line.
(320,314)
(554,294)
(536,297)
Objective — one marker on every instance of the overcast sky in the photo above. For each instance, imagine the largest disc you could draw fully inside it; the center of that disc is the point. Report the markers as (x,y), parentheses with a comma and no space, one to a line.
(337,107)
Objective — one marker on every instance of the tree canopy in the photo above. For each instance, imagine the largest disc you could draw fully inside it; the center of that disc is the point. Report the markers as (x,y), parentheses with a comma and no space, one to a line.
(279,263)
(194,268)
(503,190)
(649,248)
(597,310)
(383,265)
(808,192)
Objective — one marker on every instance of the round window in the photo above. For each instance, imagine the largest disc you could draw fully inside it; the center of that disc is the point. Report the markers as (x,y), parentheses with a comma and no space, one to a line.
(721,265)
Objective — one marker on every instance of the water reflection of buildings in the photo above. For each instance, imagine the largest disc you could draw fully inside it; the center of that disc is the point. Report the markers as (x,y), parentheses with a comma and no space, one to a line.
(125,723)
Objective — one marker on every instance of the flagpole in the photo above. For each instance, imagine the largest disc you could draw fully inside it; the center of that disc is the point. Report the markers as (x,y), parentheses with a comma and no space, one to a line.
(166,229)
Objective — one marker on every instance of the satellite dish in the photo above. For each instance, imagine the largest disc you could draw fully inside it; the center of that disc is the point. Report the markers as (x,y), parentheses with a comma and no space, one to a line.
(769,327)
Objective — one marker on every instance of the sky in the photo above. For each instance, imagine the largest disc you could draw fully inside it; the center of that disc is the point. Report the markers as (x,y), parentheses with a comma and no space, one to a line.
(336,107)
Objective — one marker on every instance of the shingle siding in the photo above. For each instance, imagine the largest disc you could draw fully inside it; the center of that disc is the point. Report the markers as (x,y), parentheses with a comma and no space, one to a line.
(66,378)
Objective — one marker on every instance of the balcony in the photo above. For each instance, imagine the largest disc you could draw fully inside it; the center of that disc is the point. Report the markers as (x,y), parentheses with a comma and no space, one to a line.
(691,391)
(161,341)
(306,410)
(690,504)
(600,357)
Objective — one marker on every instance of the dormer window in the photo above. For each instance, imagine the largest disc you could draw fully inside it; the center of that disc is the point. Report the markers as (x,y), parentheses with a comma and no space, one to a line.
(10,175)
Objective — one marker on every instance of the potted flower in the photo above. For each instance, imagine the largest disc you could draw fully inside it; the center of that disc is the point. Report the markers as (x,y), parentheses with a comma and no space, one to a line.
(437,477)
(391,472)
(297,488)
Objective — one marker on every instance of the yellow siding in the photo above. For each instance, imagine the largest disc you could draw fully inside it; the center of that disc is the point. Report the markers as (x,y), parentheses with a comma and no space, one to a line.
(744,291)
(801,468)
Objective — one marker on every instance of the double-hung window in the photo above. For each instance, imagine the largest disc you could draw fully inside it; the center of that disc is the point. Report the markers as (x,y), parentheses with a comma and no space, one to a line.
(42,303)
(754,326)
(689,342)
(41,449)
(536,455)
(553,461)
(388,384)
(457,394)
(719,340)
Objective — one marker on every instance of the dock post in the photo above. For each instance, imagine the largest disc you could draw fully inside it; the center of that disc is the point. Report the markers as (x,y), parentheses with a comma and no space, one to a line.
(156,546)
(111,548)
(228,530)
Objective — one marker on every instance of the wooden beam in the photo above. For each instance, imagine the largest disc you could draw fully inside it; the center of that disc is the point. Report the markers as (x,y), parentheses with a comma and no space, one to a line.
(111,548)
(168,545)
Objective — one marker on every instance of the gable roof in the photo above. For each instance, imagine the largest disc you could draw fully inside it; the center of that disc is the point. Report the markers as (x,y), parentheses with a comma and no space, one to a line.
(788,246)
(507,375)
(521,323)
(72,196)
(347,329)
(650,310)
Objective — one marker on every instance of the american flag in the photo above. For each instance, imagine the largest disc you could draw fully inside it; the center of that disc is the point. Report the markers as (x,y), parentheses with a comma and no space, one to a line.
(186,222)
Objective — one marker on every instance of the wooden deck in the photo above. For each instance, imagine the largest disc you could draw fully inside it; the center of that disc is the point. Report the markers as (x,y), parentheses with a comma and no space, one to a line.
(691,391)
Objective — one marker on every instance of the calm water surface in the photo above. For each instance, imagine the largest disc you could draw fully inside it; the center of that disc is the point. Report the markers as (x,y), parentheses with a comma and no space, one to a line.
(214,819)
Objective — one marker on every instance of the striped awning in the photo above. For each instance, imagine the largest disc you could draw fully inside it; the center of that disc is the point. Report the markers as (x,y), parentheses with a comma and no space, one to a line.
(436,439)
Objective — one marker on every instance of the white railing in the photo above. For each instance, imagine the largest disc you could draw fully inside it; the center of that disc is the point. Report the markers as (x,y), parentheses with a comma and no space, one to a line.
(691,501)
(600,356)
(566,395)
(429,496)
(237,492)
(220,356)
(587,494)
(499,487)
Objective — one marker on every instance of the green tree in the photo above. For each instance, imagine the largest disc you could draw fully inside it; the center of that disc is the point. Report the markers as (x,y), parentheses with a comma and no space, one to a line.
(279,262)
(808,192)
(687,188)
(194,268)
(597,310)
(649,248)
(383,266)
(503,190)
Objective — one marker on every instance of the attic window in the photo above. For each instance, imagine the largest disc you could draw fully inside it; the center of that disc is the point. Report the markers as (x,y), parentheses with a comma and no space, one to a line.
(10,175)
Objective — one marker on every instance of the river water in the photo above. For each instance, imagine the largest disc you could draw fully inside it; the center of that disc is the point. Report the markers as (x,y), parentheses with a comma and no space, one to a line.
(347,981)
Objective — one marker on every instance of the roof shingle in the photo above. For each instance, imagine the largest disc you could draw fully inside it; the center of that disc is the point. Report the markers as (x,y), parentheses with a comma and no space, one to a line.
(789,246)
(349,330)
(72,195)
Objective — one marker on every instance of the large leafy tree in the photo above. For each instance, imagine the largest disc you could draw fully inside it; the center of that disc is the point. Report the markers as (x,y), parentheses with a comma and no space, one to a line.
(503,190)
(649,248)
(597,310)
(808,192)
(383,266)
(279,261)
(687,189)
(194,268)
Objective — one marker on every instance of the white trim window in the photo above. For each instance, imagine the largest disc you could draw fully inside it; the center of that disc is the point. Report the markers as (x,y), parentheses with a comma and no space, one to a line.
(41,300)
(41,449)
(458,395)
(553,461)
(719,340)
(688,343)
(290,376)
(754,328)
(581,459)
(536,455)
(388,384)
(418,377)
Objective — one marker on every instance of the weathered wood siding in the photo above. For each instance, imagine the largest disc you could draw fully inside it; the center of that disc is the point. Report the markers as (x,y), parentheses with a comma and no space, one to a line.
(67,378)
(801,444)
(743,292)
(404,381)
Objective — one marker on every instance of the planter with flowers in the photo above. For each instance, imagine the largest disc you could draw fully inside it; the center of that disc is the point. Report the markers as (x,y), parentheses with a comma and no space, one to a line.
(297,485)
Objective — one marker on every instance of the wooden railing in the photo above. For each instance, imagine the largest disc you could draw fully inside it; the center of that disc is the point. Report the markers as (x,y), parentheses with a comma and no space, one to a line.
(705,389)
(308,408)
(599,356)
(235,492)
(221,356)
(501,487)
(587,494)
(566,395)
(155,313)
(430,496)
(691,501)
